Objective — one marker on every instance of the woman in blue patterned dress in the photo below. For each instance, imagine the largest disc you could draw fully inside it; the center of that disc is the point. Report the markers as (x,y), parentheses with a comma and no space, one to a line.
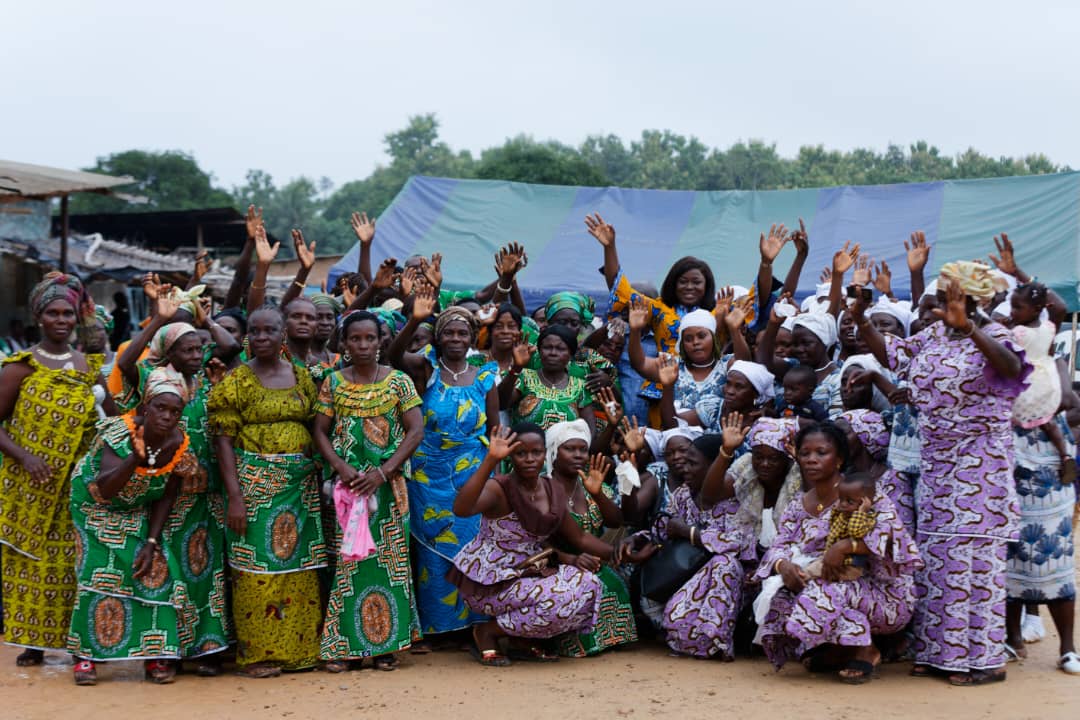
(460,407)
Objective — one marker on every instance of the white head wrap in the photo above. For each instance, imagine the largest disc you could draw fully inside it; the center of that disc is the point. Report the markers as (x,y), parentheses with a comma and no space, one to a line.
(697,319)
(788,324)
(821,324)
(879,402)
(690,432)
(759,376)
(561,433)
(655,440)
(899,310)
(739,291)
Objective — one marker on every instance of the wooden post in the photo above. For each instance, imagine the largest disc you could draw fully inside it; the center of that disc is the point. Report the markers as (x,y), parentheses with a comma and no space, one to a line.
(198,237)
(63,233)
(1070,356)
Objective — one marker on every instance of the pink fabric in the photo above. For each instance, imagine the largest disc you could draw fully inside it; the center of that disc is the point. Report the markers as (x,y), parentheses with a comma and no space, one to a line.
(352,517)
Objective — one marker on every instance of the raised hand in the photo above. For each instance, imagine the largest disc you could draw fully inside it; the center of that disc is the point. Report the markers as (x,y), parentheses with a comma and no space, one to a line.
(304,253)
(410,277)
(384,276)
(667,369)
(954,314)
(347,295)
(522,352)
(424,302)
(734,318)
(215,370)
(826,275)
(151,286)
(1005,260)
(861,276)
(433,271)
(639,313)
(503,443)
(167,305)
(918,252)
(883,279)
(785,299)
(203,306)
(858,307)
(253,221)
(633,436)
(723,304)
(364,228)
(845,258)
(770,246)
(604,233)
(801,240)
(605,398)
(202,266)
(593,480)
(733,432)
(264,251)
(509,260)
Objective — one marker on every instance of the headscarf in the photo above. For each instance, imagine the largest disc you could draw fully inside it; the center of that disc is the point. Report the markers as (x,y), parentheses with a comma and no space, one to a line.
(530,331)
(690,432)
(870,429)
(162,380)
(764,382)
(655,440)
(164,339)
(563,432)
(188,299)
(66,287)
(819,301)
(867,361)
(788,324)
(974,278)
(326,300)
(583,305)
(391,318)
(899,310)
(776,433)
(821,324)
(455,313)
(104,317)
(697,319)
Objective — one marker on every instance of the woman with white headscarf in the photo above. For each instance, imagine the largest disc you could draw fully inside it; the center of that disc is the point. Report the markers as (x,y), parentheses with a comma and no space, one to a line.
(592,506)
(813,336)
(749,387)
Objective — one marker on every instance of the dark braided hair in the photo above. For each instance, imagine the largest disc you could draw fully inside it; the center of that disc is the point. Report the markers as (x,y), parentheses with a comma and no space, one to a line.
(1034,292)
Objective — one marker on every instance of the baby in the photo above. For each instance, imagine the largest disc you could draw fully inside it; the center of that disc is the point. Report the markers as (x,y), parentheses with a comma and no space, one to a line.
(799,384)
(851,520)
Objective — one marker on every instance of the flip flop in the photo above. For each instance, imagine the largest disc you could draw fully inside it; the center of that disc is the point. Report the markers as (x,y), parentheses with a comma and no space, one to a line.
(259,672)
(335,666)
(1014,654)
(976,677)
(487,658)
(160,672)
(922,671)
(861,672)
(30,658)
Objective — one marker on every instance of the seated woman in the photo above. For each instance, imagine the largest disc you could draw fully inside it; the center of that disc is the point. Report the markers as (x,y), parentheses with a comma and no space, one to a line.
(749,387)
(505,572)
(699,619)
(132,602)
(592,506)
(827,622)
(766,479)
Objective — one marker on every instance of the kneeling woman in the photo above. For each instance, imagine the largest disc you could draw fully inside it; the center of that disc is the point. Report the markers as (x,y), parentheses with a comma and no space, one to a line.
(504,572)
(699,619)
(131,602)
(830,622)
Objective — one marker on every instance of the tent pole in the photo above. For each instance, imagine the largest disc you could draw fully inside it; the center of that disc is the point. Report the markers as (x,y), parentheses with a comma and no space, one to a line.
(63,233)
(1072,349)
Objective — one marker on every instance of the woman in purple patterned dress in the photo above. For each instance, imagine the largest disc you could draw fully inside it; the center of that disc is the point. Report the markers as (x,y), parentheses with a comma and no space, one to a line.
(964,373)
(699,619)
(828,622)
(499,574)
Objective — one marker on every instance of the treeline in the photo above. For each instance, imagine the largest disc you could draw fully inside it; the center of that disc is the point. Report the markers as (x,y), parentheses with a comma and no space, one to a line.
(172,180)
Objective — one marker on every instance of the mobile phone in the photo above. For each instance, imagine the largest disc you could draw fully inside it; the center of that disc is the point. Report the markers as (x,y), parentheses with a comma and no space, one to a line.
(853,292)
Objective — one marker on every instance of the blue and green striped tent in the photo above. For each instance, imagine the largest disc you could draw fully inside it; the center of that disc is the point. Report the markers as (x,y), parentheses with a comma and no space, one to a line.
(468,220)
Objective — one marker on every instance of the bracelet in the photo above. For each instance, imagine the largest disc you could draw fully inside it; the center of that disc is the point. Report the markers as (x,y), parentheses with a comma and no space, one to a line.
(152,541)
(692,529)
(382,474)
(299,284)
(969,332)
(501,289)
(854,544)
(776,566)
(257,287)
(726,455)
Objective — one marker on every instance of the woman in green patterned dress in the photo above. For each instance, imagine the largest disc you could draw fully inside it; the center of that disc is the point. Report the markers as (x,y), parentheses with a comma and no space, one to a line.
(592,506)
(259,413)
(195,533)
(132,602)
(367,427)
(551,393)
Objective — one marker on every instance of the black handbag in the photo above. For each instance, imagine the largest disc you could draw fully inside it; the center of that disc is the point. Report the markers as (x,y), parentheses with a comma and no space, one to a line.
(671,567)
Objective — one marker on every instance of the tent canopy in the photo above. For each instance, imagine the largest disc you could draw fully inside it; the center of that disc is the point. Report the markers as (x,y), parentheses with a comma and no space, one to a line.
(468,220)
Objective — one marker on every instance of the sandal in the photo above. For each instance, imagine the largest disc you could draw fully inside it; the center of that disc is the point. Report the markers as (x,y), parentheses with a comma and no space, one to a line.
(30,658)
(818,663)
(160,672)
(85,673)
(857,672)
(386,663)
(336,666)
(423,647)
(977,677)
(259,671)
(1015,655)
(1069,663)
(487,658)
(922,671)
(532,653)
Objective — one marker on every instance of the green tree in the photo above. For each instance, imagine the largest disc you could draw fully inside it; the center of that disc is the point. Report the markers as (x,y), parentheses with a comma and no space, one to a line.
(522,159)
(169,180)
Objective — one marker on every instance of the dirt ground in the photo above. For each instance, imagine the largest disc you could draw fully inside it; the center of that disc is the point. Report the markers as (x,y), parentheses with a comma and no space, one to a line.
(640,682)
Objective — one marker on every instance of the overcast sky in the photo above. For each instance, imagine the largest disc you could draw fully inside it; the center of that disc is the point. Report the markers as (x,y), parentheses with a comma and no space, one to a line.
(311,87)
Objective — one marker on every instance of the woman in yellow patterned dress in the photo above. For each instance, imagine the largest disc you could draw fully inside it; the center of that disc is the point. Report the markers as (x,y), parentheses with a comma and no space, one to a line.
(47,408)
(368,426)
(259,413)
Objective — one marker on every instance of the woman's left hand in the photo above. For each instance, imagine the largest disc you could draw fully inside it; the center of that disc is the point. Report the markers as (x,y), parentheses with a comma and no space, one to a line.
(733,432)
(593,480)
(144,560)
(954,314)
(368,482)
(605,398)
(585,561)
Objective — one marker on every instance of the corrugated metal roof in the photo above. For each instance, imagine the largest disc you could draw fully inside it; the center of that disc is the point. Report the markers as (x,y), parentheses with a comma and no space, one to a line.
(26,180)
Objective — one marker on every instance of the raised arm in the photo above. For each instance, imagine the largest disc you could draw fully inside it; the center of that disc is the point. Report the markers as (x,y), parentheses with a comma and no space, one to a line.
(264,255)
(167,305)
(365,233)
(918,254)
(478,495)
(306,255)
(509,261)
(202,266)
(243,264)
(843,260)
(768,248)
(605,235)
(226,347)
(734,321)
(593,480)
(415,366)
(716,486)
(383,279)
(508,393)
(1005,261)
(873,339)
(638,317)
(801,241)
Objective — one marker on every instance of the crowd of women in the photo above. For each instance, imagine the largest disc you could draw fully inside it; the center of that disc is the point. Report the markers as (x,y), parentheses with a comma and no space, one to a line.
(335,478)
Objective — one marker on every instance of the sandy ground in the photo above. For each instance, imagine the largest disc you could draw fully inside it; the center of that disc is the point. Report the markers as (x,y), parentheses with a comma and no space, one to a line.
(640,682)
